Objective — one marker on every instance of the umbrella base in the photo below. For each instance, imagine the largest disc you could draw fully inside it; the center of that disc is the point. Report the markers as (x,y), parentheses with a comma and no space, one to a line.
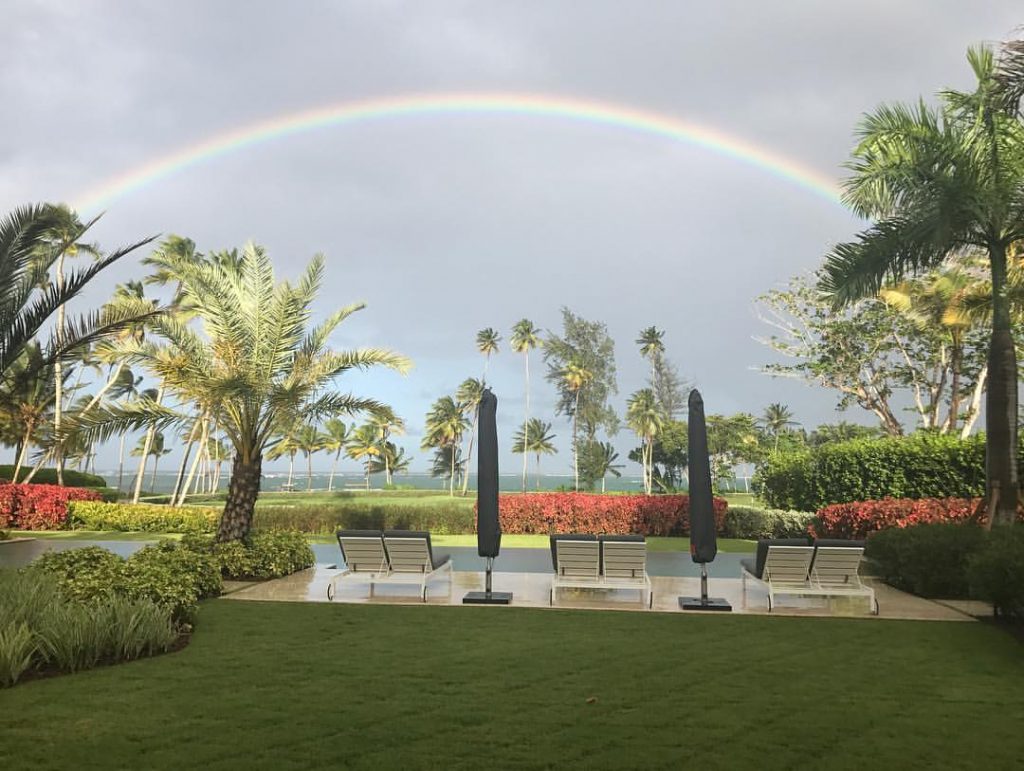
(704,603)
(487,598)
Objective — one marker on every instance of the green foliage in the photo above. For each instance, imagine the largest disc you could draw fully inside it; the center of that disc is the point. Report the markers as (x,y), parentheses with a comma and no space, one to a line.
(17,647)
(920,466)
(843,431)
(753,523)
(48,476)
(928,560)
(996,571)
(445,518)
(151,518)
(268,554)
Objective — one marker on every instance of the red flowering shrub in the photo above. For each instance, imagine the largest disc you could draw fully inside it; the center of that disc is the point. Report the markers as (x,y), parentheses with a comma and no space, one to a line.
(39,507)
(856,520)
(588,513)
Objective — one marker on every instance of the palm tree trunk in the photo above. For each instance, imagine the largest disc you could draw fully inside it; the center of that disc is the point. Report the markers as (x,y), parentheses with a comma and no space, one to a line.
(368,459)
(575,453)
(451,482)
(469,454)
(152,479)
(537,480)
(243,489)
(120,464)
(526,420)
(183,492)
(104,388)
(330,482)
(309,472)
(147,445)
(291,468)
(58,379)
(974,408)
(184,461)
(1001,401)
(955,363)
(23,450)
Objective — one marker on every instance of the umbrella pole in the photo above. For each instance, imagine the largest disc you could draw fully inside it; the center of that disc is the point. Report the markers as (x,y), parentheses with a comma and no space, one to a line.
(487,584)
(704,602)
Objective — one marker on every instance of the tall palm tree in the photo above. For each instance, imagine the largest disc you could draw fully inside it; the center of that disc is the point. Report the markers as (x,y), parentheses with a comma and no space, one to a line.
(336,435)
(392,460)
(536,438)
(526,337)
(364,446)
(651,347)
(310,441)
(154,449)
(26,401)
(487,343)
(287,444)
(446,423)
(468,396)
(644,417)
(938,182)
(777,418)
(256,362)
(387,423)
(601,457)
(576,377)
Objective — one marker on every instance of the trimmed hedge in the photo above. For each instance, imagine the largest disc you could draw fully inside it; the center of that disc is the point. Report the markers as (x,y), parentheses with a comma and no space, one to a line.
(147,517)
(753,523)
(919,466)
(591,513)
(857,520)
(328,519)
(929,560)
(996,571)
(48,476)
(39,507)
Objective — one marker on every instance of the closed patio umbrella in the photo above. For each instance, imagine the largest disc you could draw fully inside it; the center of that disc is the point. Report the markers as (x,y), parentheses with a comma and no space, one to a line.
(703,544)
(488,526)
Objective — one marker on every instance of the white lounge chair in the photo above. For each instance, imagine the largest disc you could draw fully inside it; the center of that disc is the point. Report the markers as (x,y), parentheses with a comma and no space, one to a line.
(835,572)
(391,557)
(611,562)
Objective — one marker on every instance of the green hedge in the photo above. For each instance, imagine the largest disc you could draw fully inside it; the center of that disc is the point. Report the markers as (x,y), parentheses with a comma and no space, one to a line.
(928,560)
(754,523)
(326,519)
(150,518)
(996,571)
(48,476)
(268,554)
(919,466)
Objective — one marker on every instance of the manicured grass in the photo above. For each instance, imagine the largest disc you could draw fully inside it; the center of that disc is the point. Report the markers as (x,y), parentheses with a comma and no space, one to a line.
(94,535)
(742,499)
(402,498)
(304,686)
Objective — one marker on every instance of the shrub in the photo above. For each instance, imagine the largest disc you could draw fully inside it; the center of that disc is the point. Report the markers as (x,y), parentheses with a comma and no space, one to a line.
(929,560)
(751,522)
(17,647)
(95,515)
(86,574)
(996,571)
(39,507)
(856,520)
(268,554)
(586,513)
(327,519)
(48,476)
(920,466)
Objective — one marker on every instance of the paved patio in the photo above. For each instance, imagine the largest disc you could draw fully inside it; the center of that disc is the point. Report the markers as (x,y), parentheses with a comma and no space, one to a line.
(531,590)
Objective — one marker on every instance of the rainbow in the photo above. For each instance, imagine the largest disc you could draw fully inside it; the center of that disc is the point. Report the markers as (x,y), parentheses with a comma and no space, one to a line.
(345,113)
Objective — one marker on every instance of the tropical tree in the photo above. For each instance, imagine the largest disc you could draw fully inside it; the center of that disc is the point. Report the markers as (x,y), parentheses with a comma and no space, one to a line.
(937,182)
(26,402)
(335,438)
(286,445)
(526,337)
(776,419)
(445,425)
(576,378)
(536,438)
(646,420)
(487,343)
(364,446)
(392,460)
(388,424)
(154,450)
(255,362)
(598,458)
(309,441)
(468,396)
(651,346)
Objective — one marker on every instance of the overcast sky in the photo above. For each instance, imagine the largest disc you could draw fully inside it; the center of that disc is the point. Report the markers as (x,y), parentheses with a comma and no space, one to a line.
(447,223)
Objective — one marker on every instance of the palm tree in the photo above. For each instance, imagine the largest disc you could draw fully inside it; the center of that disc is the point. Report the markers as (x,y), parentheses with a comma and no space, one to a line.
(387,423)
(26,401)
(601,457)
(287,444)
(446,423)
(576,377)
(777,418)
(155,449)
(536,437)
(364,446)
(651,347)
(526,337)
(336,435)
(392,460)
(468,396)
(309,440)
(644,417)
(938,182)
(487,343)
(255,362)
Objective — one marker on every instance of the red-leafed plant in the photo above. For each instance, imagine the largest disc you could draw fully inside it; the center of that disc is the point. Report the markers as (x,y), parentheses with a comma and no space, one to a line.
(587,513)
(39,507)
(856,520)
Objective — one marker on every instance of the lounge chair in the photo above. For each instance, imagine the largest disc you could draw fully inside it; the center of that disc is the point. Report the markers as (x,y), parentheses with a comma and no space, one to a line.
(835,571)
(611,562)
(391,557)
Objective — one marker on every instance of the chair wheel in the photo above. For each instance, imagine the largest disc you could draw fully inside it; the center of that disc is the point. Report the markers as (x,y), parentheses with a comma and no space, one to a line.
(330,591)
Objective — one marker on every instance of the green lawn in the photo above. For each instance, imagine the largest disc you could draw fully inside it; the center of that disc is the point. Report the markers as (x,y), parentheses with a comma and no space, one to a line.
(304,686)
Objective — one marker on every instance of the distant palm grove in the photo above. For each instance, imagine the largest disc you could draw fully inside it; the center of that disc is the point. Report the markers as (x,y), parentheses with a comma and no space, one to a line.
(916,321)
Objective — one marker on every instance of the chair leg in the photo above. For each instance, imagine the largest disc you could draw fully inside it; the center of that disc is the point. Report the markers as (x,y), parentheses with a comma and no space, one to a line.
(330,591)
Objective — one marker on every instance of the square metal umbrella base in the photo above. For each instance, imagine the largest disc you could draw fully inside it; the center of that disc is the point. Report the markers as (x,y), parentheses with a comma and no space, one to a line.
(487,598)
(704,603)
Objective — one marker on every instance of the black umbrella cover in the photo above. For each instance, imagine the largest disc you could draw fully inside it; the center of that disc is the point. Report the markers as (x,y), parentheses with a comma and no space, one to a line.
(488,528)
(703,545)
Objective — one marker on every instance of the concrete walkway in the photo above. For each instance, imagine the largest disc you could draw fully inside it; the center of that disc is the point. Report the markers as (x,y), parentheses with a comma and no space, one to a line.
(531,590)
